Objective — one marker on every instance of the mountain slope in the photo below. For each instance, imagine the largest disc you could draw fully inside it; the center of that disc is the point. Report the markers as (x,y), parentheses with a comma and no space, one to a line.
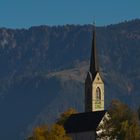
(42,71)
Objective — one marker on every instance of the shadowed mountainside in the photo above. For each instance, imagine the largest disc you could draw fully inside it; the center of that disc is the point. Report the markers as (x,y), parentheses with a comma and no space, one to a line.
(42,71)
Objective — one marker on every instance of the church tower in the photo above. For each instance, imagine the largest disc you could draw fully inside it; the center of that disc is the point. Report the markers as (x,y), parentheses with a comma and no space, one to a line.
(94,85)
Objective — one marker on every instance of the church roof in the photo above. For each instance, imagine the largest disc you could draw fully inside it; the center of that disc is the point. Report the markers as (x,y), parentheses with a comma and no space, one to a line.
(83,122)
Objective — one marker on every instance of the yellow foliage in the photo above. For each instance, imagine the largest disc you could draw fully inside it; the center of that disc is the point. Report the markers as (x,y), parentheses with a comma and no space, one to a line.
(64,116)
(124,121)
(54,132)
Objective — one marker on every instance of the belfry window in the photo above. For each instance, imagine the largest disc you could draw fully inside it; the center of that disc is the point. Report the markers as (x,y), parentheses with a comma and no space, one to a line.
(98,94)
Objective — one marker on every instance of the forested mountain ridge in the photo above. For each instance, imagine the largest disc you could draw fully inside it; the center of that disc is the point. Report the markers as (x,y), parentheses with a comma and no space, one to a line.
(42,71)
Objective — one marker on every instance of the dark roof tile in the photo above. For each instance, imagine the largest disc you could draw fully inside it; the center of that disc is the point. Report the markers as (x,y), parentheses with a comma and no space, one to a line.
(82,122)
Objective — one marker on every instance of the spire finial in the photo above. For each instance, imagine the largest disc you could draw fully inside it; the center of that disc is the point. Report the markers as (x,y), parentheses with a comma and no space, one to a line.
(94,27)
(94,23)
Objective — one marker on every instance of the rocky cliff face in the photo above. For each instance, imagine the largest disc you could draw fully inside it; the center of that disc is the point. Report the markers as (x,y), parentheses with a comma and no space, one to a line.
(42,71)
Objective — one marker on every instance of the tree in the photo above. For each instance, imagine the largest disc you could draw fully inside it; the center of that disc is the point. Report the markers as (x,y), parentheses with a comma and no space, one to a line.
(139,113)
(55,131)
(64,116)
(39,133)
(123,123)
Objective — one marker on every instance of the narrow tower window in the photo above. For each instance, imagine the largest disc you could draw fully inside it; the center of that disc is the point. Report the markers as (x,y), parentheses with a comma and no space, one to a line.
(98,94)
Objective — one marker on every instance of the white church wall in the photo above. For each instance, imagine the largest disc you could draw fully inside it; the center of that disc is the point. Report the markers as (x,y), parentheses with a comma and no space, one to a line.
(90,135)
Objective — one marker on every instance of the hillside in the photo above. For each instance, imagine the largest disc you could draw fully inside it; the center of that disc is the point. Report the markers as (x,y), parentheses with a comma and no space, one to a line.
(42,71)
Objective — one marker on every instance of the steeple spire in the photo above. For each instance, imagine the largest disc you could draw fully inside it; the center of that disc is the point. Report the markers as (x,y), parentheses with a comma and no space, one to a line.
(94,85)
(94,68)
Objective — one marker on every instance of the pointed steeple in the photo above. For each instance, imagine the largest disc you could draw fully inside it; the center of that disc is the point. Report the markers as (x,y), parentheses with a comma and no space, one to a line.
(94,85)
(94,67)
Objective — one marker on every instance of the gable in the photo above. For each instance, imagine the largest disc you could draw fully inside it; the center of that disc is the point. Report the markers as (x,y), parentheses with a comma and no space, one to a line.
(102,125)
(105,117)
(98,78)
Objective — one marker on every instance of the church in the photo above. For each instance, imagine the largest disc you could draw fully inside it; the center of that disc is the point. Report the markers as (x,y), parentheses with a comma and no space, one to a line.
(83,126)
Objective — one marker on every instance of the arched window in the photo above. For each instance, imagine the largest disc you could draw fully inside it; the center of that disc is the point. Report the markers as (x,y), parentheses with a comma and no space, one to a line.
(98,93)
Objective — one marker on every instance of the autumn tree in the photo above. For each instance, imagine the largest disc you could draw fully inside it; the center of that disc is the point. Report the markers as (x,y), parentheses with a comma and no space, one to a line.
(65,115)
(55,131)
(39,133)
(123,123)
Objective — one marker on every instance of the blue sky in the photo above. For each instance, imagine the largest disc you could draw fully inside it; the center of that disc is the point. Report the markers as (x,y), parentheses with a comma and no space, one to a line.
(26,13)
